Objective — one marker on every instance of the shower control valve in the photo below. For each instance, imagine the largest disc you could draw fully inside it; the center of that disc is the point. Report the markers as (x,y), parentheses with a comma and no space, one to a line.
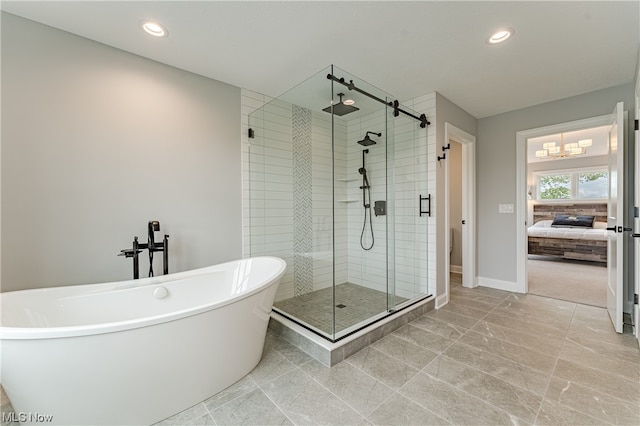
(380,208)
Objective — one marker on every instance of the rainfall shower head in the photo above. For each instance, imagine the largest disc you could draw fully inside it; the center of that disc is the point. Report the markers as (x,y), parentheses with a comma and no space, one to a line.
(340,108)
(367,140)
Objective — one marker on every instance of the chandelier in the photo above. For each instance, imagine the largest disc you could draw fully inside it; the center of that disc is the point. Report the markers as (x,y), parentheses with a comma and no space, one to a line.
(553,151)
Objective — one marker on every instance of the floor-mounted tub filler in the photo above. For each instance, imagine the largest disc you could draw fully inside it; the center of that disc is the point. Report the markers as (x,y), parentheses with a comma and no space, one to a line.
(134,352)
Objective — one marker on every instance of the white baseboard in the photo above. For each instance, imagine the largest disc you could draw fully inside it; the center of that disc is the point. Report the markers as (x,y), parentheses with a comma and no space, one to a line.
(442,300)
(474,283)
(456,269)
(498,284)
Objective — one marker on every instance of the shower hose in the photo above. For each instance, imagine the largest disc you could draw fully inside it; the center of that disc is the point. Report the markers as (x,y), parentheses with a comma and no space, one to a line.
(367,211)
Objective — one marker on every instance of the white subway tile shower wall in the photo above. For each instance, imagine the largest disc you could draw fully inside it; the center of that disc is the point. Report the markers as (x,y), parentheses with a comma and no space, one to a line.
(268,184)
(367,267)
(322,200)
(269,218)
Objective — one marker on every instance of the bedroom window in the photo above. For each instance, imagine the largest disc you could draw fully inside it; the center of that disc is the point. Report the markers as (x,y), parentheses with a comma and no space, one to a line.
(554,187)
(590,184)
(593,184)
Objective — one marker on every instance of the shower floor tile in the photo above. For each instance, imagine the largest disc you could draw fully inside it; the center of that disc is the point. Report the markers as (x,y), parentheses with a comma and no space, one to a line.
(353,305)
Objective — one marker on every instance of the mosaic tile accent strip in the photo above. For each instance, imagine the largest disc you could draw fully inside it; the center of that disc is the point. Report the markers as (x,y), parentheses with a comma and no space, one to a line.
(302,202)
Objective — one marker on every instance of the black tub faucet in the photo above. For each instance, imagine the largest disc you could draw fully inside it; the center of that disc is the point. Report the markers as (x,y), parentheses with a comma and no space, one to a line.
(152,246)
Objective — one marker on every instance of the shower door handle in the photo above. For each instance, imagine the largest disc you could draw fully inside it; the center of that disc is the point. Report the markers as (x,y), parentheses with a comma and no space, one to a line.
(420,200)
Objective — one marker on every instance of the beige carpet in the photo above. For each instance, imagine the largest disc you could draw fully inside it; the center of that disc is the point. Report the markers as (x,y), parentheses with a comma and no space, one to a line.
(574,281)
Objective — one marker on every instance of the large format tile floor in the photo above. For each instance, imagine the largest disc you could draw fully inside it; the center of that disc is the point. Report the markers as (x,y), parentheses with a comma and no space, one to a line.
(488,358)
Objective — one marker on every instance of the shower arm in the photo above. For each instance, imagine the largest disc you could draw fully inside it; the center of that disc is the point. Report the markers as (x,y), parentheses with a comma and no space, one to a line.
(373,133)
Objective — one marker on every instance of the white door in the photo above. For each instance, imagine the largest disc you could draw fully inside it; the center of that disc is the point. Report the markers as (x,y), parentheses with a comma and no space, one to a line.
(615,224)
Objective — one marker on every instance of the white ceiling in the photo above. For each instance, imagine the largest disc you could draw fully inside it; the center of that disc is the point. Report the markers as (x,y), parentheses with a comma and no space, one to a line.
(560,49)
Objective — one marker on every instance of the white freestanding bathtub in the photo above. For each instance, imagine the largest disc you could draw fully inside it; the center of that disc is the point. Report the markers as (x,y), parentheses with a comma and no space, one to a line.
(134,352)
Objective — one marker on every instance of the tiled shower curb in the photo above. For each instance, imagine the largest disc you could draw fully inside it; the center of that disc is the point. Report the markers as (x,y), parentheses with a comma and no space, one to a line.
(329,353)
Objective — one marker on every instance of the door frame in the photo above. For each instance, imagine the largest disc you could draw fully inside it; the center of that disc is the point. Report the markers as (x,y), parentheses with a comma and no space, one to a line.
(636,203)
(522,283)
(468,142)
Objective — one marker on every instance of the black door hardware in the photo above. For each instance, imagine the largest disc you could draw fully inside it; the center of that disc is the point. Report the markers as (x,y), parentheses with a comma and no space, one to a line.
(621,229)
(427,198)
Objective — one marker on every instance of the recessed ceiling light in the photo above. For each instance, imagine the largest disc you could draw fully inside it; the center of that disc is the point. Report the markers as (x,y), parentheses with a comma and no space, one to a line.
(500,36)
(348,102)
(154,28)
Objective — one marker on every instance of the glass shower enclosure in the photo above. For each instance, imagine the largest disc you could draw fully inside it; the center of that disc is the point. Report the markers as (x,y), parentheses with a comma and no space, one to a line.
(338,189)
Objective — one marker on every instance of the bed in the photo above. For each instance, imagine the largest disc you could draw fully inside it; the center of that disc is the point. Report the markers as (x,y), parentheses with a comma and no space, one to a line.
(573,235)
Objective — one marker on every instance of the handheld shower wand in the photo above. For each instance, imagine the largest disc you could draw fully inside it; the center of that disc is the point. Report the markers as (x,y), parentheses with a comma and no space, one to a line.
(365,187)
(366,192)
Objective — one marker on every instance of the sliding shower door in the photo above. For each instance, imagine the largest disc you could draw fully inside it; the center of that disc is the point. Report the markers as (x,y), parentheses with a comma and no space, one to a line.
(410,211)
(361,187)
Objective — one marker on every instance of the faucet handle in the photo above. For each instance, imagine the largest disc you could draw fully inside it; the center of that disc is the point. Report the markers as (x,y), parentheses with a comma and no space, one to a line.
(129,252)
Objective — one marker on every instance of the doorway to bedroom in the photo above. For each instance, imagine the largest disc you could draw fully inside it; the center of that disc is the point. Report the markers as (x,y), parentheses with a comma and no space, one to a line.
(567,191)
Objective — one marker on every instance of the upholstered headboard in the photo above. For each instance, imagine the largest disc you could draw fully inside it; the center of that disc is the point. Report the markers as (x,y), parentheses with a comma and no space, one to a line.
(548,211)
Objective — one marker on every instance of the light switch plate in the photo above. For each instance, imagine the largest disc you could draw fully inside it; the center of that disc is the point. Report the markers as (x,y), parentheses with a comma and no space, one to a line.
(505,208)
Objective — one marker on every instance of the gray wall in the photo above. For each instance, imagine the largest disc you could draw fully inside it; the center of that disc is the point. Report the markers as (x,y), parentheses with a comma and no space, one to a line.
(95,143)
(496,169)
(446,112)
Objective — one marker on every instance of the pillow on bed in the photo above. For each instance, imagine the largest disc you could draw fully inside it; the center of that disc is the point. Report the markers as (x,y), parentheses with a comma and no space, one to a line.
(570,221)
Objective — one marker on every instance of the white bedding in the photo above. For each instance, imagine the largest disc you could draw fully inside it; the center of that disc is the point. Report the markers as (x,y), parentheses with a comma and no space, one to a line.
(545,230)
